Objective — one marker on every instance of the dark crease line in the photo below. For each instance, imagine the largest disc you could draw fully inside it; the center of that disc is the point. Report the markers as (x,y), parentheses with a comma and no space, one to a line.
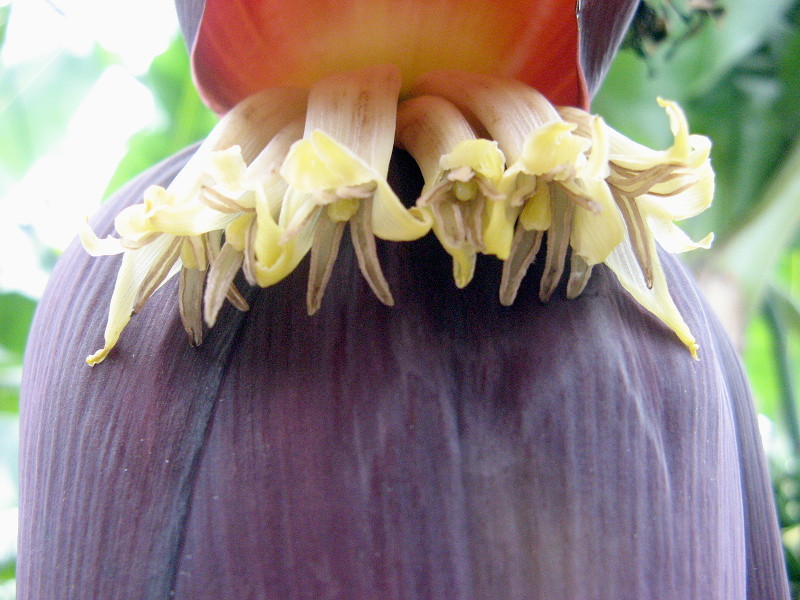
(223,351)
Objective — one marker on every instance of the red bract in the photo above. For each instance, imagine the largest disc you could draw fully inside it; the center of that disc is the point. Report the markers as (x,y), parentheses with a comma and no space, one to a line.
(242,46)
(445,448)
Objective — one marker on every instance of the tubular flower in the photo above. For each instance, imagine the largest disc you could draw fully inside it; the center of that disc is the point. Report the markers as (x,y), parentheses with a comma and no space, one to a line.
(461,173)
(455,445)
(536,172)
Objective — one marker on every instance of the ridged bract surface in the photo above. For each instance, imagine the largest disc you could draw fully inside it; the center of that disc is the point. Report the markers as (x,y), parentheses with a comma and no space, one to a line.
(446,448)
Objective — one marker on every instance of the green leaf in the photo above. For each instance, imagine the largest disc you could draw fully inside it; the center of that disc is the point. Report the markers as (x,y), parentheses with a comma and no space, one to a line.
(9,399)
(5,12)
(753,254)
(761,368)
(787,308)
(16,313)
(7,571)
(37,99)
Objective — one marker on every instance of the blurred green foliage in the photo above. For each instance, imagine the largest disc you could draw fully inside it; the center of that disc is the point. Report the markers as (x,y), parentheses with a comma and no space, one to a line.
(16,312)
(184,119)
(34,115)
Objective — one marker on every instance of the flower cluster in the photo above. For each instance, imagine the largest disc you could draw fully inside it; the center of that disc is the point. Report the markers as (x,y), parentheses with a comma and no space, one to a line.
(286,170)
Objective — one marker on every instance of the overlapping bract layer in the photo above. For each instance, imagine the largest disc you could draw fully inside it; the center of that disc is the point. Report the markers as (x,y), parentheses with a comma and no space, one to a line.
(286,171)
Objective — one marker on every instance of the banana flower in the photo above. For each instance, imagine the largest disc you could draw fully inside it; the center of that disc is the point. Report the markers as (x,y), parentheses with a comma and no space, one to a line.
(430,410)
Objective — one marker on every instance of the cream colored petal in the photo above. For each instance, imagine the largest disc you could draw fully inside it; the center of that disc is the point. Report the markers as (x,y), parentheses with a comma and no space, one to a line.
(230,183)
(193,253)
(517,185)
(134,272)
(631,155)
(597,166)
(319,164)
(498,228)
(320,169)
(266,166)
(673,239)
(685,150)
(358,109)
(228,170)
(537,214)
(430,127)
(483,157)
(274,259)
(695,192)
(251,124)
(508,109)
(96,246)
(297,211)
(595,235)
(393,221)
(164,212)
(232,179)
(189,220)
(236,232)
(131,222)
(554,150)
(657,300)
(455,166)
(178,210)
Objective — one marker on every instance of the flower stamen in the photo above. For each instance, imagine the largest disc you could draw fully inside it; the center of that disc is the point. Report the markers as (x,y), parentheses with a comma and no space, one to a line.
(286,171)
(461,174)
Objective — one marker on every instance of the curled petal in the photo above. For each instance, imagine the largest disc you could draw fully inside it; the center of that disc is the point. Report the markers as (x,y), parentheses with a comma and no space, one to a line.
(682,197)
(99,247)
(274,255)
(141,273)
(554,151)
(319,163)
(596,234)
(393,221)
(673,239)
(164,212)
(656,298)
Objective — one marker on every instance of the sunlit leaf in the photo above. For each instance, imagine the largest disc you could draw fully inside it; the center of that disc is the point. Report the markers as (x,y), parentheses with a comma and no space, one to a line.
(752,255)
(7,571)
(9,399)
(5,11)
(185,118)
(760,365)
(16,312)
(788,308)
(37,99)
